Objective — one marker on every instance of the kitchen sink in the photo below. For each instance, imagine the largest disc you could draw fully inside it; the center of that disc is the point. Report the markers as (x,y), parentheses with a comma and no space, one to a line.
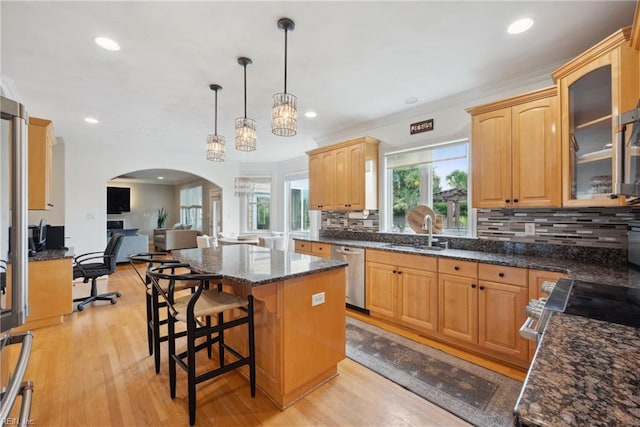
(412,248)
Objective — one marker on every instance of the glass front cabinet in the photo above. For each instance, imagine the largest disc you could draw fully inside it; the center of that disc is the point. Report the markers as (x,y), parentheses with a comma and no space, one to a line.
(594,89)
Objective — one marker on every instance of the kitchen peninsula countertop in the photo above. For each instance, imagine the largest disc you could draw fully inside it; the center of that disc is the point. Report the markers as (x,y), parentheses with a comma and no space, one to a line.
(620,275)
(585,372)
(254,265)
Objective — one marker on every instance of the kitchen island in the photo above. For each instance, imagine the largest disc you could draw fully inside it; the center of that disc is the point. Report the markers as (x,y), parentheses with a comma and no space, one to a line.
(299,310)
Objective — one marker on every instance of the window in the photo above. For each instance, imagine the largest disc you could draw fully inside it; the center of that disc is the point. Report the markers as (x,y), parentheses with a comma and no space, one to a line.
(436,176)
(191,207)
(297,191)
(255,204)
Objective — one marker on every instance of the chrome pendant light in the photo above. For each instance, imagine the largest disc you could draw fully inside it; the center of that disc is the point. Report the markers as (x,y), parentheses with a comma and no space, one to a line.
(245,128)
(284,116)
(215,142)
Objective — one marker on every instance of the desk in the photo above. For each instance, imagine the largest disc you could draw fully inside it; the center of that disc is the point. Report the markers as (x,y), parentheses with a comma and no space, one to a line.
(298,346)
(50,285)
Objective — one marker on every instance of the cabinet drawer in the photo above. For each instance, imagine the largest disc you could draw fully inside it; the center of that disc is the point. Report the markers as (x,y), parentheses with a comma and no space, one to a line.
(419,262)
(501,274)
(303,247)
(458,268)
(321,249)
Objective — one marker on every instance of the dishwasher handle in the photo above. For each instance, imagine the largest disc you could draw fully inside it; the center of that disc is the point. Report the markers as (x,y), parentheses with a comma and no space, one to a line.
(349,251)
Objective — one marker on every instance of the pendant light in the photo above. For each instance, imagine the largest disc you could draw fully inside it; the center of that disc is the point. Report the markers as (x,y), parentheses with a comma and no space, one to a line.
(245,128)
(215,142)
(284,116)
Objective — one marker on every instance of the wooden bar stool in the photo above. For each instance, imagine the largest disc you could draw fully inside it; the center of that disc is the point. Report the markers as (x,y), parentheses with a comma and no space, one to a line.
(153,302)
(191,309)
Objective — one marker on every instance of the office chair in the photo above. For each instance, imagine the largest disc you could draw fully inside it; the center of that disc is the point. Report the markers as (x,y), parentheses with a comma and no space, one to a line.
(3,277)
(85,266)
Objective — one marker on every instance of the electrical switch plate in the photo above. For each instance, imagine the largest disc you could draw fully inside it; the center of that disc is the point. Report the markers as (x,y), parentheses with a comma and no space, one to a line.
(345,222)
(368,223)
(317,299)
(530,229)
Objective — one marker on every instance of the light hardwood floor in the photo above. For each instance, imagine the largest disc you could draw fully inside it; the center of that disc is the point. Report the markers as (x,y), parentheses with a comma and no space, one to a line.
(94,370)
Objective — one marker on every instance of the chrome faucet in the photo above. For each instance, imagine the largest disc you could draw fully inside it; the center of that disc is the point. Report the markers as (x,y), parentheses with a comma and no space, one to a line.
(427,225)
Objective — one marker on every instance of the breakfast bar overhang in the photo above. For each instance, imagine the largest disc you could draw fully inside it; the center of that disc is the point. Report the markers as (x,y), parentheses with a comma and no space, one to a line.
(299,313)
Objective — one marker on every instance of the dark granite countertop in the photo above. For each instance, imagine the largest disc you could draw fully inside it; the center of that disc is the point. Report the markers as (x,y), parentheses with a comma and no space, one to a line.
(254,265)
(585,372)
(621,276)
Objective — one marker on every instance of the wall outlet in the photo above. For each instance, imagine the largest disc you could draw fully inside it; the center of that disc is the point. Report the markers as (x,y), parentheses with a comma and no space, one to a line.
(317,299)
(345,222)
(368,223)
(530,229)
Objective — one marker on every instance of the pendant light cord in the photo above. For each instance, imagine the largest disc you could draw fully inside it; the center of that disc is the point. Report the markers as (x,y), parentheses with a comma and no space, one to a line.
(215,125)
(285,60)
(245,90)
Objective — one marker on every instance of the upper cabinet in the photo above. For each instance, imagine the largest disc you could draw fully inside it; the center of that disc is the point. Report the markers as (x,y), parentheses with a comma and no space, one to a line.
(41,142)
(344,176)
(594,88)
(515,152)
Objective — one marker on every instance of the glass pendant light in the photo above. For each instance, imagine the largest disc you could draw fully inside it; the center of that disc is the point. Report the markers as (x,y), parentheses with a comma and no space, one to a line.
(245,128)
(215,142)
(284,116)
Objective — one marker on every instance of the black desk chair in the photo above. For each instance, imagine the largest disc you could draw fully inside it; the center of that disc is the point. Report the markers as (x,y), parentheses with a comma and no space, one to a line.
(3,277)
(88,268)
(154,337)
(205,303)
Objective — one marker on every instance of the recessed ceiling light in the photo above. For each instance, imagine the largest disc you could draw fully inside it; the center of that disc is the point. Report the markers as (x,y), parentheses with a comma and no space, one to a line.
(520,26)
(91,120)
(310,114)
(411,100)
(161,177)
(107,43)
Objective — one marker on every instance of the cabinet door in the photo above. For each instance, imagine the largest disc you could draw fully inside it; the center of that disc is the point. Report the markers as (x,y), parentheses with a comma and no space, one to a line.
(500,315)
(458,308)
(356,177)
(322,181)
(381,295)
(491,159)
(536,154)
(41,140)
(342,184)
(419,299)
(315,182)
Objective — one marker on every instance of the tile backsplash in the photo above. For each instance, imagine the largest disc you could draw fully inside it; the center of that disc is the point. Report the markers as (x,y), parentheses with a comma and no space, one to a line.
(589,227)
(339,220)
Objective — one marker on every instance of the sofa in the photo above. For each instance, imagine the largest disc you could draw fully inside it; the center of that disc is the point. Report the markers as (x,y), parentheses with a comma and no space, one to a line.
(132,243)
(167,239)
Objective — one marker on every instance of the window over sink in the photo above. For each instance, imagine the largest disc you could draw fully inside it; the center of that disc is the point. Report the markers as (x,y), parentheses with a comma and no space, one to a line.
(436,176)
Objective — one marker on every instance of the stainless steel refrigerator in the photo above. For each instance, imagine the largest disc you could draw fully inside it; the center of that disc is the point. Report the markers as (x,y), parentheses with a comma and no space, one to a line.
(13,252)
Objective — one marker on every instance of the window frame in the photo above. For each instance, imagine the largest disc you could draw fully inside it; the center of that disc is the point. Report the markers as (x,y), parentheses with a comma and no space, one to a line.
(198,210)
(387,211)
(244,204)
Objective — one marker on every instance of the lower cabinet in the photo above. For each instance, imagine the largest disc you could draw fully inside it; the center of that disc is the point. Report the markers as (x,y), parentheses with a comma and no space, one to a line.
(482,306)
(403,289)
(322,250)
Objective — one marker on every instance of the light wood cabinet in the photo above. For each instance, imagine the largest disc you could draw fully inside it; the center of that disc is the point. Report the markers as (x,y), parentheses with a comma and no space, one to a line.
(318,249)
(458,308)
(403,289)
(594,88)
(344,176)
(50,292)
(516,151)
(40,177)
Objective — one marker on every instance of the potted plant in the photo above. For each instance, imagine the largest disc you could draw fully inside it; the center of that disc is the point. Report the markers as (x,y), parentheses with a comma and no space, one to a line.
(162,217)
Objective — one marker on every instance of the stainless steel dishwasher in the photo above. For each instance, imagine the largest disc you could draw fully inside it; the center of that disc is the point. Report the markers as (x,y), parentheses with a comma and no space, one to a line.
(355,274)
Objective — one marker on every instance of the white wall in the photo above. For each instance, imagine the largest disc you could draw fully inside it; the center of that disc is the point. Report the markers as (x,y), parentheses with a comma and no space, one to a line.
(88,168)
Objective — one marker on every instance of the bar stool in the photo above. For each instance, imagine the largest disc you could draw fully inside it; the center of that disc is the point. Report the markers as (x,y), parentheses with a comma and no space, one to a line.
(153,302)
(205,302)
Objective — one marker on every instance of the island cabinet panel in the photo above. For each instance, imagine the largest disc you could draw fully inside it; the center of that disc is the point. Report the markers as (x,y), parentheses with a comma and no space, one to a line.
(298,346)
(501,313)
(458,308)
(403,289)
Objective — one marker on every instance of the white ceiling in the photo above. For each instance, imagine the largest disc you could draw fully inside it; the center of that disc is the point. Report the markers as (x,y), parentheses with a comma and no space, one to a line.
(351,62)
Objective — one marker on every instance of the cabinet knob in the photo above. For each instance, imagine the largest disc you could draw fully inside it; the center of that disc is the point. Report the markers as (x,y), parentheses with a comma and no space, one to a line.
(456,268)
(482,288)
(399,272)
(395,271)
(507,200)
(515,200)
(500,274)
(473,285)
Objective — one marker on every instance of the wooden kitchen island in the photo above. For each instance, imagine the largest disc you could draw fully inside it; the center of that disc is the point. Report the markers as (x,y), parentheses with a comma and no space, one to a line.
(299,313)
